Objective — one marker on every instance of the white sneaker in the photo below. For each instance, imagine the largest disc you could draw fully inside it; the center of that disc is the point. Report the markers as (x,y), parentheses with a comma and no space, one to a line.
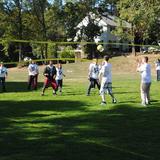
(143,104)
(114,100)
(103,103)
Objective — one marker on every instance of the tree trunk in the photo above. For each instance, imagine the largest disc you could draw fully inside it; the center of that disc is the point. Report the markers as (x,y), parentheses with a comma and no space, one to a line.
(20,29)
(133,50)
(133,40)
(20,52)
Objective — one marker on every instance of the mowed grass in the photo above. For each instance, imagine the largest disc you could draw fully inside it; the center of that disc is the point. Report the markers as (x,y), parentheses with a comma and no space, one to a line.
(74,126)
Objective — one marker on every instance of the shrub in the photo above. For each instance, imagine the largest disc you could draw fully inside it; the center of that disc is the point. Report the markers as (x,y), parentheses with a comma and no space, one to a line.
(68,52)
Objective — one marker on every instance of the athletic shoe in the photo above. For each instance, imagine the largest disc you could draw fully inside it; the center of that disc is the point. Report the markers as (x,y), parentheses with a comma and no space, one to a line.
(103,103)
(87,94)
(148,103)
(143,104)
(114,100)
(42,94)
(54,93)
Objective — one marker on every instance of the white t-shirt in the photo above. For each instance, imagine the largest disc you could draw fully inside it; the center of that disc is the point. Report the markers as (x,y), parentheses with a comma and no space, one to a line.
(3,71)
(59,75)
(33,69)
(157,65)
(145,70)
(94,70)
(106,72)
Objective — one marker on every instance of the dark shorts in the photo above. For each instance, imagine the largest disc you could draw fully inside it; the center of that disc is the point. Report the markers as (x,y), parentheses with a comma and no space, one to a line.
(94,82)
(158,75)
(59,83)
(2,80)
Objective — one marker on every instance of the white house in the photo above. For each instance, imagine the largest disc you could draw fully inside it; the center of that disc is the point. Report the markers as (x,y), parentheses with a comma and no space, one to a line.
(108,24)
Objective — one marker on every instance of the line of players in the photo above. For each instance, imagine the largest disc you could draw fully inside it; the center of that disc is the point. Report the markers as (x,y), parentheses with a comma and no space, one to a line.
(54,77)
(104,73)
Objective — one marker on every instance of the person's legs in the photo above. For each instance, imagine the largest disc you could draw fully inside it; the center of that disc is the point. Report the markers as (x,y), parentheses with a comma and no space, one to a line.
(97,83)
(45,85)
(60,86)
(109,89)
(3,84)
(143,94)
(91,85)
(0,81)
(54,86)
(30,81)
(35,82)
(158,75)
(102,92)
(148,93)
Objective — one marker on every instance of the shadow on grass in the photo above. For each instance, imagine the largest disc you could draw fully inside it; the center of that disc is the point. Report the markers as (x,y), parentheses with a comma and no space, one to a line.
(19,86)
(66,130)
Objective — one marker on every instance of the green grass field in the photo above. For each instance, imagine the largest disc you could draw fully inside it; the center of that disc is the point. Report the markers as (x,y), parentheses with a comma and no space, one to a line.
(74,126)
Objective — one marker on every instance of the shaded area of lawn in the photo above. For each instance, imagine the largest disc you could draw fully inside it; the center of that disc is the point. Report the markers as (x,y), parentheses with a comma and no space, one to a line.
(66,130)
(19,86)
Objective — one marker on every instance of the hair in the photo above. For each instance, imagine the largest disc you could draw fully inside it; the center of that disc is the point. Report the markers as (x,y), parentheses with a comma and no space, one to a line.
(95,59)
(106,58)
(146,59)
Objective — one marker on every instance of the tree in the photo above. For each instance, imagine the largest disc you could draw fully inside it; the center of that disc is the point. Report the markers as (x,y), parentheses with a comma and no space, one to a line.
(140,14)
(14,26)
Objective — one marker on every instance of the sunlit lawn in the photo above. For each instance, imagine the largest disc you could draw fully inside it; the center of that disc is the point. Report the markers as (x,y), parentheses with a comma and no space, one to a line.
(74,126)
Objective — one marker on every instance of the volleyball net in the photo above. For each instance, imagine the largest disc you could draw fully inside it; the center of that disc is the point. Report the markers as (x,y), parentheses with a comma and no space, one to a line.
(18,51)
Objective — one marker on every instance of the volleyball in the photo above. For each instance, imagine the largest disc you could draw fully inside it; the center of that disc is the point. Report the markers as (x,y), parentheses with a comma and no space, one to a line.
(100,48)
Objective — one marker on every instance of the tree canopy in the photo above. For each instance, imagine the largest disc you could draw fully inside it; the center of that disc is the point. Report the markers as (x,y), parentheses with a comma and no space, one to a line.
(56,20)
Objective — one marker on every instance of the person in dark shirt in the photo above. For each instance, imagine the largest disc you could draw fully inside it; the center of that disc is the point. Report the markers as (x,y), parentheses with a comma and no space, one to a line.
(50,75)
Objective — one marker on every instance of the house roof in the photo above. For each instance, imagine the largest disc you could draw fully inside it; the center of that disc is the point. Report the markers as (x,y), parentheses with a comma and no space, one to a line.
(103,21)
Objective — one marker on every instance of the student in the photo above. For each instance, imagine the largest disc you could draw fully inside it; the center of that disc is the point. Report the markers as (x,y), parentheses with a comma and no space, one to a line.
(145,70)
(94,69)
(59,77)
(33,72)
(50,75)
(157,65)
(3,75)
(106,82)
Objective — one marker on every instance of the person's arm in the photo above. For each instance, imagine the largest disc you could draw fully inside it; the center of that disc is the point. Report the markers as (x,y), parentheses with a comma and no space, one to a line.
(45,72)
(101,72)
(89,71)
(37,69)
(54,72)
(6,73)
(63,73)
(140,68)
(29,68)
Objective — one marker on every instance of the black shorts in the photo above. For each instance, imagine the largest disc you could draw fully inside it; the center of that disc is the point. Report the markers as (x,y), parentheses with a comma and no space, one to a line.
(94,82)
(59,83)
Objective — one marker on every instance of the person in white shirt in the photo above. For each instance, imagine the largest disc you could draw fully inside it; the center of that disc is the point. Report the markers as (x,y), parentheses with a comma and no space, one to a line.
(3,75)
(94,69)
(33,72)
(106,81)
(157,65)
(59,77)
(145,70)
